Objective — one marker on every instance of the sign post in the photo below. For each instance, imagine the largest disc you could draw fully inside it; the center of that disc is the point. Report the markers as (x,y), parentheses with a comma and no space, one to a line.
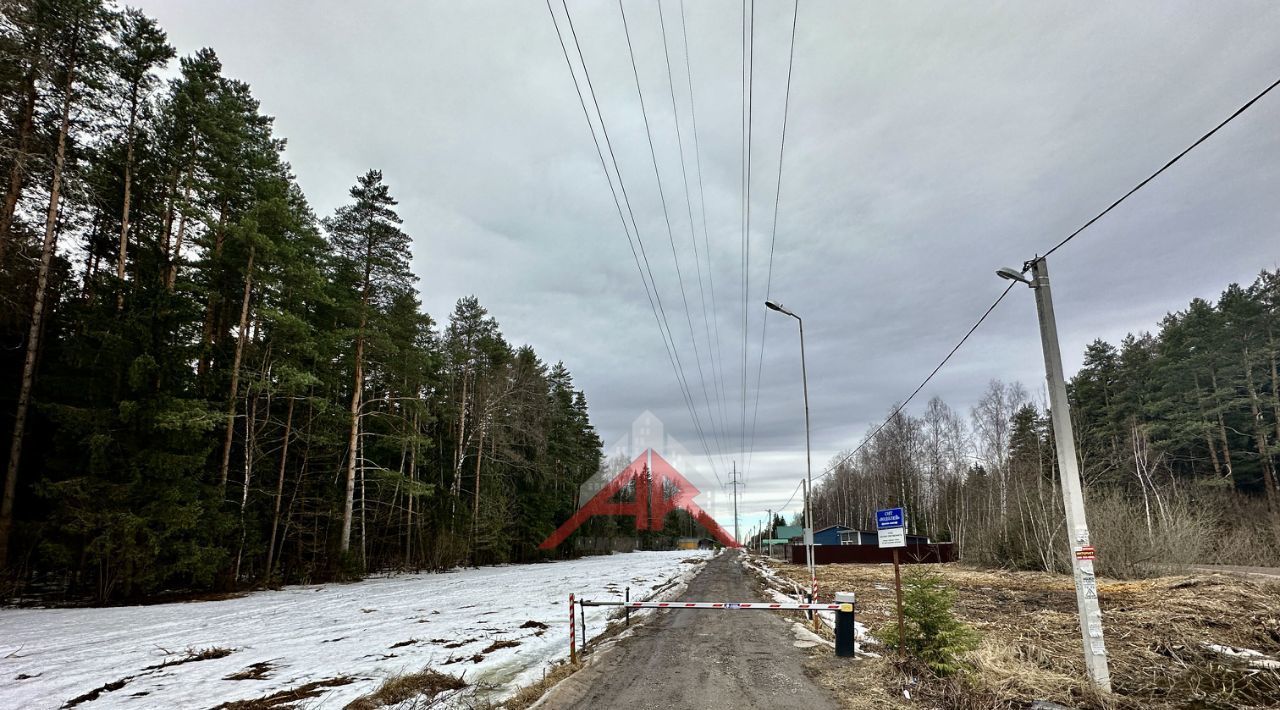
(891,525)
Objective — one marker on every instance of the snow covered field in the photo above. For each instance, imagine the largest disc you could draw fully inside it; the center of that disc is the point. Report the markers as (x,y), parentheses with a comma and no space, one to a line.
(369,631)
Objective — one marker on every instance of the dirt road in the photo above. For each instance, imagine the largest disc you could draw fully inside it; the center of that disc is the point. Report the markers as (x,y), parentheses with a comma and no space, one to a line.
(700,659)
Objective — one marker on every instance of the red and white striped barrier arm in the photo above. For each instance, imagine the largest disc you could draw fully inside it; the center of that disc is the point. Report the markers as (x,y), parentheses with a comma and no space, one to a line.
(719,605)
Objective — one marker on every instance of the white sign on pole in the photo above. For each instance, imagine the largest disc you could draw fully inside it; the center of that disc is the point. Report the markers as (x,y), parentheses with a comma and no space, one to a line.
(893,537)
(808,536)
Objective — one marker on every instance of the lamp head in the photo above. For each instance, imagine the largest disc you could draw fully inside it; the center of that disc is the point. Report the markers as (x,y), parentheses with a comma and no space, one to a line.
(1013,275)
(773,306)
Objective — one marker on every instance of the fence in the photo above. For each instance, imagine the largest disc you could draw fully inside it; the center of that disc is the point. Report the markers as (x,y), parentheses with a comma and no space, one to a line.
(932,553)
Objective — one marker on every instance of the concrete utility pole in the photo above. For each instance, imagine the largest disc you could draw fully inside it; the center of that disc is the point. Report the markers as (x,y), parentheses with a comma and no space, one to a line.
(1082,553)
(808,541)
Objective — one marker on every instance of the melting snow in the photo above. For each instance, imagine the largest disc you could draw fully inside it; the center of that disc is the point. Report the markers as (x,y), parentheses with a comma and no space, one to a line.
(368,630)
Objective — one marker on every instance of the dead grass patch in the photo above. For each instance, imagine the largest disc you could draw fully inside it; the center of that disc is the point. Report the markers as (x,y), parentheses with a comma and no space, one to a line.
(530,694)
(1157,635)
(255,671)
(192,655)
(93,694)
(497,645)
(285,698)
(427,683)
(188,656)
(531,624)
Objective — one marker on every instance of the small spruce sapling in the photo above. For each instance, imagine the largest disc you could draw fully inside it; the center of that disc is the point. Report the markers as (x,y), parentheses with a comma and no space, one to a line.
(934,636)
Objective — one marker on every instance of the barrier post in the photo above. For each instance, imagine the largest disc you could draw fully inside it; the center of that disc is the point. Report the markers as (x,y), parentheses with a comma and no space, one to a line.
(897,583)
(583,611)
(573,642)
(846,638)
(627,610)
(813,597)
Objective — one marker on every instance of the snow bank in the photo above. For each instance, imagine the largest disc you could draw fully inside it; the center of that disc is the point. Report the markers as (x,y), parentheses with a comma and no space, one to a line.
(369,630)
(775,584)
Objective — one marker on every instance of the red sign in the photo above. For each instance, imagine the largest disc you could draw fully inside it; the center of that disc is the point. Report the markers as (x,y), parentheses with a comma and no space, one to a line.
(1085,553)
(654,479)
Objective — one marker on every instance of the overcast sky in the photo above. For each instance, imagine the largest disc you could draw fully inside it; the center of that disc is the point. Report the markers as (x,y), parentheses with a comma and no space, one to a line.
(928,144)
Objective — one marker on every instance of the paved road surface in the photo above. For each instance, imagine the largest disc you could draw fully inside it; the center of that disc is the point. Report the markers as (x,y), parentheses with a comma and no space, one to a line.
(700,659)
(1265,572)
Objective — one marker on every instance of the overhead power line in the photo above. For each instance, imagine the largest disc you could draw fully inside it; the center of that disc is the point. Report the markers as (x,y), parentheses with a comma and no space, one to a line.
(693,238)
(1165,167)
(916,391)
(1055,248)
(666,216)
(773,238)
(718,360)
(748,100)
(655,298)
(793,495)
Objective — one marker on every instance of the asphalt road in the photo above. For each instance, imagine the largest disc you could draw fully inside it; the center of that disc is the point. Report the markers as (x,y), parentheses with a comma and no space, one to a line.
(1266,572)
(703,659)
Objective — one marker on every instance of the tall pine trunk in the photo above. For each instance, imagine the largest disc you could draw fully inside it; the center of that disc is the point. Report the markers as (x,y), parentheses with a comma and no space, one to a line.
(241,338)
(249,440)
(1222,427)
(413,465)
(275,516)
(1262,440)
(352,439)
(26,126)
(128,193)
(1205,427)
(213,308)
(37,323)
(459,449)
(173,256)
(475,501)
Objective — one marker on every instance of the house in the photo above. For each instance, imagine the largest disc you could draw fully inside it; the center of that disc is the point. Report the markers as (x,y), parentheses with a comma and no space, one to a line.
(830,535)
(786,532)
(864,537)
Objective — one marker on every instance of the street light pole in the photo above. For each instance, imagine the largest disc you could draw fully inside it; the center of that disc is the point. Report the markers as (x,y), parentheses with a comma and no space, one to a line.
(808,454)
(1095,650)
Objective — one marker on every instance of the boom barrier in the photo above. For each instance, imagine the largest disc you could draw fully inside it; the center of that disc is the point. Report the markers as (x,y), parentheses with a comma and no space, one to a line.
(844,608)
(718,605)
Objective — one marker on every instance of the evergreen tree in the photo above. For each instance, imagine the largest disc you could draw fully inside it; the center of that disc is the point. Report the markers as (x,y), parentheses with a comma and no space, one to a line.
(366,235)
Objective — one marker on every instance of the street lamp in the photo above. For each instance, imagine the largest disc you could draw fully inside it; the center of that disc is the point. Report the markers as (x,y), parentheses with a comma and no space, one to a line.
(808,456)
(1082,553)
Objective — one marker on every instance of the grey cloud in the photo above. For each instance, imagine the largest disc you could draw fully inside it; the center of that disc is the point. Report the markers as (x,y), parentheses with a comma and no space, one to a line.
(927,145)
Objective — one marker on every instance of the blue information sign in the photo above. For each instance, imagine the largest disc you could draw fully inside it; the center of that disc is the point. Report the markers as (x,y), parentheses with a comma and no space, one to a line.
(891,518)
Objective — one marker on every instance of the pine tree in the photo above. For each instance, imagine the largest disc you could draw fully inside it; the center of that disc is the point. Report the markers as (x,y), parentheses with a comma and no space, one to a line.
(75,30)
(366,235)
(140,49)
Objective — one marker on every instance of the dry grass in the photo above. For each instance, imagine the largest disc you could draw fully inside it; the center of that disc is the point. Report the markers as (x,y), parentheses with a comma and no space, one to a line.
(287,698)
(1157,631)
(191,655)
(93,694)
(426,684)
(255,671)
(496,645)
(530,694)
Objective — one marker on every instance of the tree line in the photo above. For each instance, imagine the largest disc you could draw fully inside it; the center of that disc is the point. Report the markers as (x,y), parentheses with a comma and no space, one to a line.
(210,387)
(1177,431)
